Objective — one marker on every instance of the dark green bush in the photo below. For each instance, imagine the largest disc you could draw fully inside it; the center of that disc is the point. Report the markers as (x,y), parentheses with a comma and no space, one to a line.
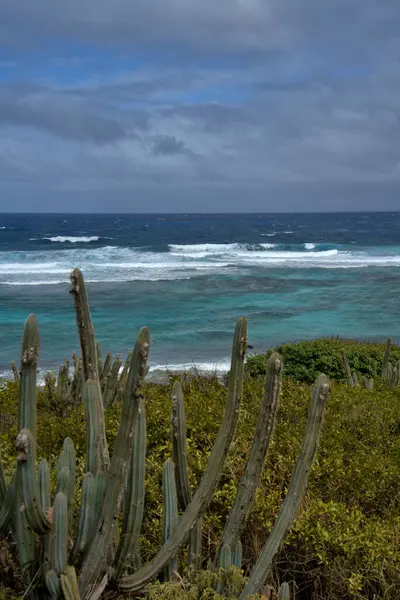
(304,361)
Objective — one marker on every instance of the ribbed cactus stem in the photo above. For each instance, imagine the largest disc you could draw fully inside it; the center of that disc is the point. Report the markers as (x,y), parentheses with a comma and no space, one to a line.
(111,385)
(94,455)
(53,584)
(45,502)
(63,382)
(170,512)
(225,563)
(89,352)
(225,558)
(106,370)
(212,473)
(59,538)
(27,417)
(355,379)
(295,491)
(63,480)
(86,518)
(179,457)
(284,591)
(15,371)
(237,555)
(347,370)
(128,548)
(253,470)
(94,560)
(386,357)
(29,487)
(69,584)
(68,459)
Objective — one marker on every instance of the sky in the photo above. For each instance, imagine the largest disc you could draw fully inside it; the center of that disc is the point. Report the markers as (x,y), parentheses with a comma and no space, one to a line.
(199,105)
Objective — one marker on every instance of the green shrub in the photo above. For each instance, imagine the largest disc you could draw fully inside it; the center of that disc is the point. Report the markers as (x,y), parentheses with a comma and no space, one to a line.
(345,542)
(304,361)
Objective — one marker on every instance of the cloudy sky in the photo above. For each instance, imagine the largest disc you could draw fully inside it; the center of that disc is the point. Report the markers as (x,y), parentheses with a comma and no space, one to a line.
(199,105)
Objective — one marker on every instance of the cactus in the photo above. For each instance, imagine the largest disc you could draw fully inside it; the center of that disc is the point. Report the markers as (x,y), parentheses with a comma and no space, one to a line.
(15,371)
(111,384)
(355,379)
(253,470)
(284,591)
(295,491)
(90,363)
(128,551)
(98,552)
(386,358)
(179,457)
(69,584)
(212,473)
(170,512)
(59,536)
(347,370)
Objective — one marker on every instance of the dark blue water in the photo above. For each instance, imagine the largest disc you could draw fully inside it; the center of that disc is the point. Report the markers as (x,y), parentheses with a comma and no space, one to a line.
(189,277)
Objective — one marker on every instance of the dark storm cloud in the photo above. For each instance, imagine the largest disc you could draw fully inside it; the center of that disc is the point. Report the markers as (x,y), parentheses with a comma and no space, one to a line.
(167,144)
(236,97)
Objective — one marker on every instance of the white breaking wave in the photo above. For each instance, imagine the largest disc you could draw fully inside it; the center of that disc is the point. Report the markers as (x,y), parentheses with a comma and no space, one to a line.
(268,234)
(72,240)
(207,367)
(111,264)
(309,246)
(3,227)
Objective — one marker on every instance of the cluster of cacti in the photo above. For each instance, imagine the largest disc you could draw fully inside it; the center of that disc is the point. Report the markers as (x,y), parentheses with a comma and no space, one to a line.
(63,558)
(390,372)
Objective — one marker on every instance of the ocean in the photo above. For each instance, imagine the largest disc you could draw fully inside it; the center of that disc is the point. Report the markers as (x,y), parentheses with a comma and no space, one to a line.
(189,278)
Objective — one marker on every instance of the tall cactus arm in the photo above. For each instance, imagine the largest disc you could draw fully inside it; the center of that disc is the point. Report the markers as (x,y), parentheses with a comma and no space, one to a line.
(59,537)
(212,474)
(86,518)
(170,512)
(254,466)
(27,418)
(89,351)
(135,493)
(85,326)
(29,487)
(94,455)
(295,491)
(179,451)
(99,546)
(347,370)
(386,358)
(179,457)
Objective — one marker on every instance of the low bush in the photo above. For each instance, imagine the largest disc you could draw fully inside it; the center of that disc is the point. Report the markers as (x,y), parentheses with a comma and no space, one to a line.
(304,361)
(345,541)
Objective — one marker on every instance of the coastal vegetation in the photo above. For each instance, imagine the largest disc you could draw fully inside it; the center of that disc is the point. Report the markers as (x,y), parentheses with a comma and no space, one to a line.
(344,542)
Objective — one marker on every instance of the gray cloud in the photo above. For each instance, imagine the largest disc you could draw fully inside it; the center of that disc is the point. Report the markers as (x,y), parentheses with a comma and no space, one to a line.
(274,96)
(167,144)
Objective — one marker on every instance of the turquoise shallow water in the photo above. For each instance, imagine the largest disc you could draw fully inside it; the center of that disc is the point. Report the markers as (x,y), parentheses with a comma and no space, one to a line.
(190,277)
